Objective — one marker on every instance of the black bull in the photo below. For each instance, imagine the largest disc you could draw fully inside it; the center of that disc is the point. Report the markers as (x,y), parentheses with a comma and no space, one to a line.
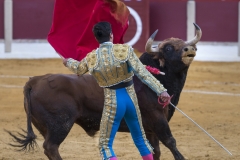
(54,102)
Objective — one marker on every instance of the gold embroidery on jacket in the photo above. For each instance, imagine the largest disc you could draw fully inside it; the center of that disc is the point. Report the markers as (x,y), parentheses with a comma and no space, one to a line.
(120,52)
(110,68)
(77,67)
(92,59)
(144,75)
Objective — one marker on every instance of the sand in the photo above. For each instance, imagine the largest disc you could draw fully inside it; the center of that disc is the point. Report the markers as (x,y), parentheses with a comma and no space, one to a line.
(211,97)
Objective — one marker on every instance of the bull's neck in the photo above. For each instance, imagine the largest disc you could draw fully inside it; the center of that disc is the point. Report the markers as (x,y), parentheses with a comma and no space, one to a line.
(175,82)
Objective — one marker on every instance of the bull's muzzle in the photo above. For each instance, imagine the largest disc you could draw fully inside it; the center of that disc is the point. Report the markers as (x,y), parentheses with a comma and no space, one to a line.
(188,53)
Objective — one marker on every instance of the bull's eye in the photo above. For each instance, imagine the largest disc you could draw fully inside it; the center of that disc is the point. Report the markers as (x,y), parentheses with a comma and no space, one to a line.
(169,48)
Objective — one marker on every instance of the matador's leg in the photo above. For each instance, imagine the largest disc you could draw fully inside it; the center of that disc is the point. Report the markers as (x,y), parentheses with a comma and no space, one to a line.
(111,118)
(134,122)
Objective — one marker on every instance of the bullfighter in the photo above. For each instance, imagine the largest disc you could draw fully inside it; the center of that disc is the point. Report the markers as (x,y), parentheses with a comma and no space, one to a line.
(113,66)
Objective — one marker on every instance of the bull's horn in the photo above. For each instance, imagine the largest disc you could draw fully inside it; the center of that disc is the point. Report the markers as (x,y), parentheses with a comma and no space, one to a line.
(148,46)
(197,37)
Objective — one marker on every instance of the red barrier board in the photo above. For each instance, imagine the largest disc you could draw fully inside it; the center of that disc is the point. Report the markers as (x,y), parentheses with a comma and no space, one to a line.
(138,30)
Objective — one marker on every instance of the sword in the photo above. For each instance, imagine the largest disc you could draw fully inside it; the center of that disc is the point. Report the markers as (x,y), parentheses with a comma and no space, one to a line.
(201,128)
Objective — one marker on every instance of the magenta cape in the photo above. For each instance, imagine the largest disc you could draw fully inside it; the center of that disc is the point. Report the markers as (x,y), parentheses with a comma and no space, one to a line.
(71,31)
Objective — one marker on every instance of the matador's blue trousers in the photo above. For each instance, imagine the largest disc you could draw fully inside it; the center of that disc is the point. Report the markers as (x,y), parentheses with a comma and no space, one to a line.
(119,104)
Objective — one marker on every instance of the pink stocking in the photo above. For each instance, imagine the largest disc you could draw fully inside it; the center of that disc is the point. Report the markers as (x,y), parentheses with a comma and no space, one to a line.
(113,158)
(148,157)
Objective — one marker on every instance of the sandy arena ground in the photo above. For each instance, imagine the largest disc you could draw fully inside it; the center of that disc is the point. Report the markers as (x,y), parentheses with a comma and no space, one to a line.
(211,97)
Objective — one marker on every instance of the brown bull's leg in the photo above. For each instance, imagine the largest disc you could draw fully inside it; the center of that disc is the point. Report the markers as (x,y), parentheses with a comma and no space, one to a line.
(154,141)
(58,127)
(51,150)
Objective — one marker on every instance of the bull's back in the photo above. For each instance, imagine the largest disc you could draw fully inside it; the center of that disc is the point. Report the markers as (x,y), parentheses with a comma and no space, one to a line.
(63,90)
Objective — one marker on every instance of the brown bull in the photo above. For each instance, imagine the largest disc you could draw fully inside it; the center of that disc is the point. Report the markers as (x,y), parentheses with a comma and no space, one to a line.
(54,102)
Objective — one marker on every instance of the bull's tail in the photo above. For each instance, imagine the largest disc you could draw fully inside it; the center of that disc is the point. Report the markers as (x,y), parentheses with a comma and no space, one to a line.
(25,142)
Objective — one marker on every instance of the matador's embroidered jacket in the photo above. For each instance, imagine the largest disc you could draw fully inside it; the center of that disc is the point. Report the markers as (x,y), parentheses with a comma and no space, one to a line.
(112,64)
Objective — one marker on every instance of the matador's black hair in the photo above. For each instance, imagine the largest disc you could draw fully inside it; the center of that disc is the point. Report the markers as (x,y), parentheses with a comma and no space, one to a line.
(102,31)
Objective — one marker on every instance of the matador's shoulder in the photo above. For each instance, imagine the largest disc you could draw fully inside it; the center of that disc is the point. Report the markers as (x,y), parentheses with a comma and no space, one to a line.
(91,59)
(121,51)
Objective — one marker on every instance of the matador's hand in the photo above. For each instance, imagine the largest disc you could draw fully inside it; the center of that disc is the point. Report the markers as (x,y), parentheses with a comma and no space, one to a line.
(65,62)
(164,96)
